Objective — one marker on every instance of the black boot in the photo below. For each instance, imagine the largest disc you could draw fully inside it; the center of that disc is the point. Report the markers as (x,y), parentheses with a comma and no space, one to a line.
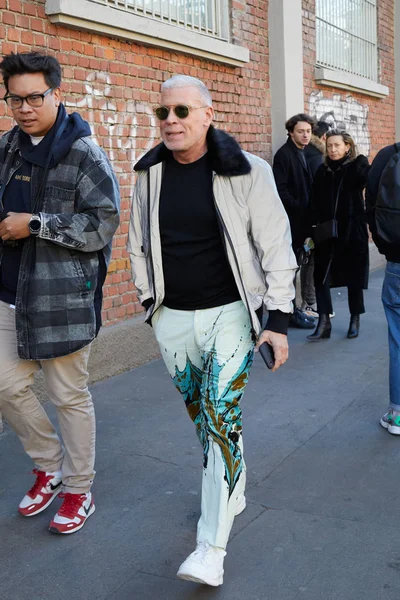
(354,327)
(323,331)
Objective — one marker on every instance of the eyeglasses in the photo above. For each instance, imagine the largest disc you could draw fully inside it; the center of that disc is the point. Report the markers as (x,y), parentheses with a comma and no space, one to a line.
(34,100)
(181,111)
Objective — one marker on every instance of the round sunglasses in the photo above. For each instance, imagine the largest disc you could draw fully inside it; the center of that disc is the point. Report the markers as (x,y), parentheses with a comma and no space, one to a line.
(181,111)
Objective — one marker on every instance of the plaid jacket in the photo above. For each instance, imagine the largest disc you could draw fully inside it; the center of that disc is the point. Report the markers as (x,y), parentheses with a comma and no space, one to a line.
(54,306)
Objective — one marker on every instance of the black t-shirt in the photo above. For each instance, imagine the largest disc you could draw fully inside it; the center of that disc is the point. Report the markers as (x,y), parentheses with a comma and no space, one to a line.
(197,274)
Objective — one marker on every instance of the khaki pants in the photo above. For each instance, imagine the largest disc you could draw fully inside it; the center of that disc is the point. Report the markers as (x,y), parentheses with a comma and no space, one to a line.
(66,381)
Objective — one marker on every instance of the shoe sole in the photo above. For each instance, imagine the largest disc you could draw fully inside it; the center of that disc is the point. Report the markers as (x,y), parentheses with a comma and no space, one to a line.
(192,577)
(321,339)
(392,429)
(37,512)
(55,530)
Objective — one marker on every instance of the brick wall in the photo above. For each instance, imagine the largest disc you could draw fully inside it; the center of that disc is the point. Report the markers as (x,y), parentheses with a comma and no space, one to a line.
(371,120)
(114,84)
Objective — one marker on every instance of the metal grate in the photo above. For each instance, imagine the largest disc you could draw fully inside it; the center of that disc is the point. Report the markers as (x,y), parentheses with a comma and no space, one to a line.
(209,17)
(347,36)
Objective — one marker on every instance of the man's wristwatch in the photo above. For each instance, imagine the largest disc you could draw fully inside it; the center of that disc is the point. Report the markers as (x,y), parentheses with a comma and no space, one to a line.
(35,224)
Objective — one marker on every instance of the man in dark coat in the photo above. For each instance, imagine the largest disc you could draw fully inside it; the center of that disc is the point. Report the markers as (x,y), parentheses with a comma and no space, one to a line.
(391,249)
(293,179)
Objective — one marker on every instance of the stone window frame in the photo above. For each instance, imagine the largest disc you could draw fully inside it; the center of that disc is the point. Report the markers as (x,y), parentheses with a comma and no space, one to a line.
(333,75)
(110,20)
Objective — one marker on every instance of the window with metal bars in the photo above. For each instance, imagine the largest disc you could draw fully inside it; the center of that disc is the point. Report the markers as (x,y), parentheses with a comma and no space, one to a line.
(209,17)
(347,36)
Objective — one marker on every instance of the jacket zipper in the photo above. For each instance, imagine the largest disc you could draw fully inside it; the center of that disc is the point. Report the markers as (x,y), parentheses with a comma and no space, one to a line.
(148,320)
(228,237)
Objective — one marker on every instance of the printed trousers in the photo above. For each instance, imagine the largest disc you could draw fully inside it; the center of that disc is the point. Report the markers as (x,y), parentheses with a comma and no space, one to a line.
(208,354)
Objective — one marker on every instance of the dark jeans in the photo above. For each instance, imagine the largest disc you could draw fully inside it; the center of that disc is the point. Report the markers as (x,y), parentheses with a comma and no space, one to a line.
(324,300)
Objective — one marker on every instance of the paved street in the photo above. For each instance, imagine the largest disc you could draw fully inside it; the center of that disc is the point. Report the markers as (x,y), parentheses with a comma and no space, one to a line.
(323,493)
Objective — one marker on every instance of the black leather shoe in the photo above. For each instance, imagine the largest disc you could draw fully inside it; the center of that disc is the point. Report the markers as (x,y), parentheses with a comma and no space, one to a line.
(323,331)
(301,320)
(354,327)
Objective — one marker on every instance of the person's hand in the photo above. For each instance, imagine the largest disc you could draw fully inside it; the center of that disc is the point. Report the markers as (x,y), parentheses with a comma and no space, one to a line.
(279,345)
(15,226)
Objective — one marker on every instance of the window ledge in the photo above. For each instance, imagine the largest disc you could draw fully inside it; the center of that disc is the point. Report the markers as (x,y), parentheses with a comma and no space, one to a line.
(83,14)
(347,81)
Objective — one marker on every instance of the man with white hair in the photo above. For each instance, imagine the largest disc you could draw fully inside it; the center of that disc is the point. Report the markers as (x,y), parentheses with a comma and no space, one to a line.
(210,244)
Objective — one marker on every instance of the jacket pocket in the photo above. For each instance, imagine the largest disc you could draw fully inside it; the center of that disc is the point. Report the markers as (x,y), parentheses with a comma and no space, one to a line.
(145,246)
(251,270)
(245,253)
(86,273)
(58,200)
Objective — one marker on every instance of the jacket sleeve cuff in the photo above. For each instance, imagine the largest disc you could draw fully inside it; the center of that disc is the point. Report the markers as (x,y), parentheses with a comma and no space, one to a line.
(278,321)
(147,303)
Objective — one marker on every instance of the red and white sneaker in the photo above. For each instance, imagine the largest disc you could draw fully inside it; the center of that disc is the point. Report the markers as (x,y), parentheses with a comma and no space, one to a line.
(43,492)
(73,513)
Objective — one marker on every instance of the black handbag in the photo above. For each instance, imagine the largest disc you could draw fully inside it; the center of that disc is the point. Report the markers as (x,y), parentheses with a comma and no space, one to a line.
(328,230)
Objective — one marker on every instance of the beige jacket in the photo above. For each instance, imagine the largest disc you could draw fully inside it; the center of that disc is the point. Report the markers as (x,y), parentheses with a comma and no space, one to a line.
(255,224)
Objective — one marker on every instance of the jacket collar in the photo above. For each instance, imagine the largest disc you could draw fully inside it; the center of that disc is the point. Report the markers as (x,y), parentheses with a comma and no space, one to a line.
(296,151)
(226,155)
(340,163)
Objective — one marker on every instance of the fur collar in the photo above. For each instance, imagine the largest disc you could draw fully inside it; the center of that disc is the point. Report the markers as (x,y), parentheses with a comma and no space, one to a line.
(226,156)
(318,143)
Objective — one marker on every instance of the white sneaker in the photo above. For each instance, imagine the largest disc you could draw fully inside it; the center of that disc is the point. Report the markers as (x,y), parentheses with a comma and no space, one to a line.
(204,565)
(240,504)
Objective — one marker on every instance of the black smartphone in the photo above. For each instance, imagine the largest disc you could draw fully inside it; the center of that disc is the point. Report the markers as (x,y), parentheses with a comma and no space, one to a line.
(267,354)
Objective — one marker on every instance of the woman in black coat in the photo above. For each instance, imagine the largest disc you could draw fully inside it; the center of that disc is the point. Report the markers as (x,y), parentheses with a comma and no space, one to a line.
(344,260)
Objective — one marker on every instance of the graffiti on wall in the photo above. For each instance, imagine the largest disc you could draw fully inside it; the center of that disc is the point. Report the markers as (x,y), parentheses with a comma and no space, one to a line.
(125,129)
(346,114)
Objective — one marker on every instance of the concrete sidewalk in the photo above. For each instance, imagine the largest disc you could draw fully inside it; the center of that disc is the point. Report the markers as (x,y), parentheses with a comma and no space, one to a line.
(322,486)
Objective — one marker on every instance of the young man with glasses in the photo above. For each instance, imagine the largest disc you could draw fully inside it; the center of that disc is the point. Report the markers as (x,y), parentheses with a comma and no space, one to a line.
(210,245)
(59,203)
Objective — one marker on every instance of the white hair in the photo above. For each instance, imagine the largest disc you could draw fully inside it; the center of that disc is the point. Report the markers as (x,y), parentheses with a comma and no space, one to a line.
(180,81)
